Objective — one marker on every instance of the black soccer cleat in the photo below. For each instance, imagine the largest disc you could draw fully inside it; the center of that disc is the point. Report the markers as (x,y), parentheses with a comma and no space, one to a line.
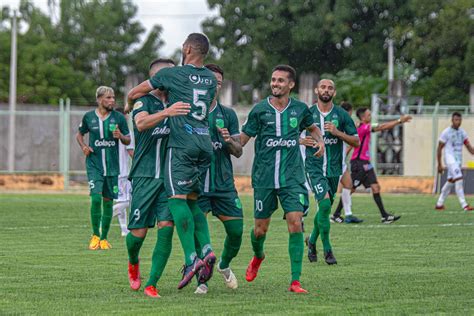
(329,257)
(389,219)
(312,253)
(351,219)
(337,219)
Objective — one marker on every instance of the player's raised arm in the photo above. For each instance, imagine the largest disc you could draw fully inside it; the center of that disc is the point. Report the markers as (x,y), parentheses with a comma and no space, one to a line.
(389,125)
(137,92)
(144,120)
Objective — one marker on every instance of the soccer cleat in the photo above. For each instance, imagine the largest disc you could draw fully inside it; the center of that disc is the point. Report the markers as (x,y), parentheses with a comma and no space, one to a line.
(151,291)
(134,276)
(329,257)
(229,277)
(205,274)
(252,269)
(94,243)
(439,207)
(201,289)
(312,253)
(337,219)
(389,219)
(105,245)
(189,271)
(351,219)
(296,288)
(468,208)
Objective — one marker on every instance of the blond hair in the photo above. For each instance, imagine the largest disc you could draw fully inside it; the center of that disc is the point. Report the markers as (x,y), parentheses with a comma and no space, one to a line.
(102,90)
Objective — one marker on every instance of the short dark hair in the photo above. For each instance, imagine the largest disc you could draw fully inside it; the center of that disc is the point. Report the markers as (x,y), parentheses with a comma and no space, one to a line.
(215,68)
(361,112)
(346,106)
(161,61)
(456,114)
(198,41)
(287,68)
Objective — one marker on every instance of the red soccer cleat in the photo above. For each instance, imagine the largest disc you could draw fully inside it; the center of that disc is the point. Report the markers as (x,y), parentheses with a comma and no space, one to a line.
(253,267)
(439,207)
(134,276)
(296,288)
(151,291)
(468,208)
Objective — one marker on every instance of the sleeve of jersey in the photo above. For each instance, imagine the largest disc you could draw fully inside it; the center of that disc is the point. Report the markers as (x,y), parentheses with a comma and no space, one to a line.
(307,119)
(250,126)
(139,106)
(161,80)
(443,137)
(349,126)
(465,139)
(233,123)
(83,128)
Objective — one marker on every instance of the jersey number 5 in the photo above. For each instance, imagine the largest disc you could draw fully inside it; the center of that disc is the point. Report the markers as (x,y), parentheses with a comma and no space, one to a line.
(200,104)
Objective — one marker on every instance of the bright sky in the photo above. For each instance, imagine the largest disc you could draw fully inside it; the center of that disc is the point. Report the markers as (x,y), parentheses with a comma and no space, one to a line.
(178,18)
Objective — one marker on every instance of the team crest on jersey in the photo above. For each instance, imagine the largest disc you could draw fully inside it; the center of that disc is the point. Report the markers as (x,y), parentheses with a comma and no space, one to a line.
(112,127)
(293,122)
(137,105)
(220,123)
(238,204)
(336,123)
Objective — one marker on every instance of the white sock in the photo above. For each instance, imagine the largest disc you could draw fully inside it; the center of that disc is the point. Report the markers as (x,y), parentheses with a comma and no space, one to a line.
(346,201)
(459,187)
(444,193)
(120,210)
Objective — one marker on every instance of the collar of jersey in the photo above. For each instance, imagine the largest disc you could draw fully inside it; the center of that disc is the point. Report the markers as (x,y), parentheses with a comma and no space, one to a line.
(98,116)
(194,66)
(286,107)
(324,113)
(217,104)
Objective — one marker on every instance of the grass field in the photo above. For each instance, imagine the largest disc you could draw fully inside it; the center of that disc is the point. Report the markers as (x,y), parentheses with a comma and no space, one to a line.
(422,264)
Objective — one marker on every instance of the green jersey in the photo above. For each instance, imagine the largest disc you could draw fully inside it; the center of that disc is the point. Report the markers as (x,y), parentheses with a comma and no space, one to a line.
(331,162)
(193,85)
(150,145)
(278,162)
(220,176)
(104,160)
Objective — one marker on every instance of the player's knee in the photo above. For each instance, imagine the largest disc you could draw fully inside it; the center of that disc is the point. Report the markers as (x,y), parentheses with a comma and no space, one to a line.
(375,188)
(162,224)
(260,231)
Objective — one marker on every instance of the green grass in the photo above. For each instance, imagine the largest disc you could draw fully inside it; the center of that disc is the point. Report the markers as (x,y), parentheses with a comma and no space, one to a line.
(422,264)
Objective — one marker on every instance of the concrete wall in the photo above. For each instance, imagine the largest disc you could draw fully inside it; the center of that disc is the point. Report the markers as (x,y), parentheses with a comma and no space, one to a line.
(419,143)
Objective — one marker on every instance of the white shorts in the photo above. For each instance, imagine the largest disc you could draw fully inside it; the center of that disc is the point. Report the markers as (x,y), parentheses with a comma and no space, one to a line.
(125,190)
(454,171)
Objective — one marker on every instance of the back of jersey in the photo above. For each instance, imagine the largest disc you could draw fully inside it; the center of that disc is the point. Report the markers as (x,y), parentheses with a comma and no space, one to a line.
(193,85)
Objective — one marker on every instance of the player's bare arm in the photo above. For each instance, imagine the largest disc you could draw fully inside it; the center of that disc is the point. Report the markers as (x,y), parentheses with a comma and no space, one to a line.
(137,92)
(438,156)
(351,140)
(244,139)
(144,120)
(389,125)
(85,148)
(318,137)
(118,135)
(233,142)
(469,147)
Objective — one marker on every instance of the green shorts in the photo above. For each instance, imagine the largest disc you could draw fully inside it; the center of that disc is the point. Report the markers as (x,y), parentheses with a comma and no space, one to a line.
(184,169)
(292,199)
(105,186)
(221,203)
(149,203)
(320,185)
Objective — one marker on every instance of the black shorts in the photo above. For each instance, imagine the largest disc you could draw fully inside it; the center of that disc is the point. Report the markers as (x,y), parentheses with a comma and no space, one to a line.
(362,172)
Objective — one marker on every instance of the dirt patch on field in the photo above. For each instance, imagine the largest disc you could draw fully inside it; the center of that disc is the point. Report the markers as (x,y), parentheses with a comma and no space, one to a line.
(47,182)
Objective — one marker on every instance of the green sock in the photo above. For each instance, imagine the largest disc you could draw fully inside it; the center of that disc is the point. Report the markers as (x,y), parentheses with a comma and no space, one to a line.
(107,206)
(296,248)
(133,247)
(96,213)
(201,229)
(324,224)
(161,253)
(234,229)
(313,237)
(184,223)
(257,244)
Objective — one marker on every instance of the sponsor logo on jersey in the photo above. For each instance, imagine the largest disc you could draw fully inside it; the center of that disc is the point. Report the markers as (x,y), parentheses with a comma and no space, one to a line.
(280,142)
(220,123)
(185,182)
(104,143)
(293,122)
(270,123)
(331,141)
(165,130)
(196,79)
(217,145)
(196,130)
(268,113)
(137,105)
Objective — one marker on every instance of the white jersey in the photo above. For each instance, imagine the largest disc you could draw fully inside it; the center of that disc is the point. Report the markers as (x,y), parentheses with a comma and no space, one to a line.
(453,140)
(124,158)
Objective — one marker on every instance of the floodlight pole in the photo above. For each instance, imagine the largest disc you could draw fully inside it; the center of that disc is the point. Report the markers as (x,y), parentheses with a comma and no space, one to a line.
(12,98)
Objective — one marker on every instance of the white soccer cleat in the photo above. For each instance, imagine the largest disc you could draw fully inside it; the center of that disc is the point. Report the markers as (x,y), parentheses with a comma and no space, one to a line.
(229,277)
(201,289)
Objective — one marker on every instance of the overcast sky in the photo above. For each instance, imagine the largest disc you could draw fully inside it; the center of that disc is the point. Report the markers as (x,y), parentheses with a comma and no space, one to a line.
(177,17)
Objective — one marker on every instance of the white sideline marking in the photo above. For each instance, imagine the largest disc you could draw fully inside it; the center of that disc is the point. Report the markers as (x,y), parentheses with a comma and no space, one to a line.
(408,226)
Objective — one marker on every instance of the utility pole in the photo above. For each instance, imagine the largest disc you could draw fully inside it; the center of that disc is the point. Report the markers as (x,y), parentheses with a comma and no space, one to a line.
(390,73)
(12,98)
